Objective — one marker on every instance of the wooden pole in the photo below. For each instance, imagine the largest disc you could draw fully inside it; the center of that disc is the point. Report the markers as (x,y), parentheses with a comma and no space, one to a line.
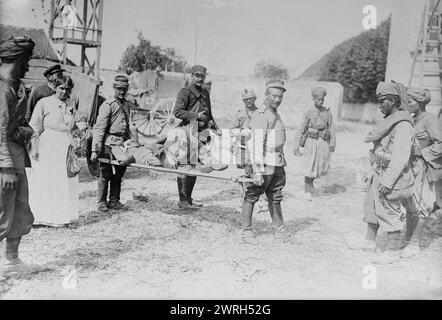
(99,33)
(177,171)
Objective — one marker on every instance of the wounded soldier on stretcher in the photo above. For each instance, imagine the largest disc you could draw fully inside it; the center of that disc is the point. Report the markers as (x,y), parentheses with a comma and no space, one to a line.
(168,152)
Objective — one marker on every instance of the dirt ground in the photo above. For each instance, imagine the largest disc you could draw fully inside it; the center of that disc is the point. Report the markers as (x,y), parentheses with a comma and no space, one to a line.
(153,251)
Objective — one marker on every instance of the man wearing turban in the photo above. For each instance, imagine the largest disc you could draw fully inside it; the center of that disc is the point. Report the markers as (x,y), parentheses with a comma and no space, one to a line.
(427,166)
(316,135)
(391,179)
(15,215)
(111,129)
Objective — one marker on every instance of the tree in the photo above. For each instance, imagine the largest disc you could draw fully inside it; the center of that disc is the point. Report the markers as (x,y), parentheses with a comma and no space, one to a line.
(359,64)
(270,69)
(147,56)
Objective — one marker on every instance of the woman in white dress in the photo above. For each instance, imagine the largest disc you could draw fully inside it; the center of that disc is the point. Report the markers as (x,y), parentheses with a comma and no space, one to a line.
(53,196)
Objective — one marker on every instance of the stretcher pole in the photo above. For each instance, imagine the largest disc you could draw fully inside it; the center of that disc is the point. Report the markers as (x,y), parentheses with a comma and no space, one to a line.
(177,171)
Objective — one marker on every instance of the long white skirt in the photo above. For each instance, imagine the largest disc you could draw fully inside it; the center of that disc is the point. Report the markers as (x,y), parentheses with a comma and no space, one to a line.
(53,196)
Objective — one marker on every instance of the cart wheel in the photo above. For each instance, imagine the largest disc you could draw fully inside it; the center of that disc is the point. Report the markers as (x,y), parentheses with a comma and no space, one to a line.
(162,118)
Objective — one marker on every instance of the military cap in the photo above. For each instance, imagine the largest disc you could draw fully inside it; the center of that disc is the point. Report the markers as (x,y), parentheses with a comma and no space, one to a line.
(275,83)
(121,82)
(198,68)
(248,93)
(53,69)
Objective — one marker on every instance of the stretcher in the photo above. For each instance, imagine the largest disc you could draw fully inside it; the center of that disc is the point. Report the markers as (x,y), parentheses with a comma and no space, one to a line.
(195,173)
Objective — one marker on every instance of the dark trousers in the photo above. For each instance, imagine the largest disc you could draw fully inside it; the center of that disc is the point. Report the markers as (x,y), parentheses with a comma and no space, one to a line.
(109,176)
(185,187)
(16,218)
(308,184)
(272,187)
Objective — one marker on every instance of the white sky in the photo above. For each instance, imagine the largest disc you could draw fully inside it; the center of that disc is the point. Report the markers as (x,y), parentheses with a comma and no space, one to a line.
(232,34)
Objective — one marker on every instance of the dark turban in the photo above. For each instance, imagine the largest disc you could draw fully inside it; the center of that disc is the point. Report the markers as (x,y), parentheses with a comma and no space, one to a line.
(421,96)
(14,47)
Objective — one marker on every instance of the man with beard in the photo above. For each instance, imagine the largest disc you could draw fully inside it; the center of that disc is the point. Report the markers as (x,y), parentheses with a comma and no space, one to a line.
(391,180)
(111,129)
(193,106)
(15,215)
(267,160)
(38,92)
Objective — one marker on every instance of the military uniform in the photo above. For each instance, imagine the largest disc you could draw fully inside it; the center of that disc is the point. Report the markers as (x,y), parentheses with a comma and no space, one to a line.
(190,101)
(111,129)
(240,123)
(317,133)
(43,91)
(37,93)
(391,181)
(16,218)
(267,158)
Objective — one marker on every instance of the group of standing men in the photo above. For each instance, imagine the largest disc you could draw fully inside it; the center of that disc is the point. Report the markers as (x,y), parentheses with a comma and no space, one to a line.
(406,174)
(390,188)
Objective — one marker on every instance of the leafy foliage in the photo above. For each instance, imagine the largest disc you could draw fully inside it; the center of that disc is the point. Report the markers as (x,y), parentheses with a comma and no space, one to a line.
(145,56)
(358,64)
(270,69)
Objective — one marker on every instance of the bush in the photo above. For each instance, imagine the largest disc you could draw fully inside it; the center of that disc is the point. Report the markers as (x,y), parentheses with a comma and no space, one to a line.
(146,56)
(359,64)
(270,69)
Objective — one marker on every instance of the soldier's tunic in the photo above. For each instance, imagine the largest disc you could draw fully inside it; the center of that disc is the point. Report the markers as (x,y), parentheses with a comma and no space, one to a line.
(317,123)
(111,129)
(428,167)
(241,122)
(190,101)
(15,214)
(37,93)
(392,138)
(267,156)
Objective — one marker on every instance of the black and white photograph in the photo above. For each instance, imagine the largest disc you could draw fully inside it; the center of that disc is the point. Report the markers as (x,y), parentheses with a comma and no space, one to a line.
(220,150)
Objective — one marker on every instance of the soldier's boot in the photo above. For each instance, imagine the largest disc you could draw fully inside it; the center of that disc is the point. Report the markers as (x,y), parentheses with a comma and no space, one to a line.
(13,264)
(247,235)
(185,205)
(367,243)
(103,186)
(309,188)
(410,226)
(413,247)
(278,221)
(195,204)
(115,192)
(189,184)
(182,193)
(391,253)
